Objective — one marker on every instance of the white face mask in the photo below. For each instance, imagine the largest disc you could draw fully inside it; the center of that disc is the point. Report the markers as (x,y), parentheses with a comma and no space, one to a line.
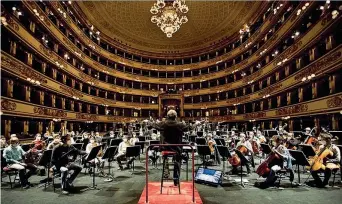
(92,141)
(125,140)
(69,142)
(14,145)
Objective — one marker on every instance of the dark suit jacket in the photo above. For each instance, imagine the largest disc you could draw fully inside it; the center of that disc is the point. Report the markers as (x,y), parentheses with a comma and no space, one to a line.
(172,132)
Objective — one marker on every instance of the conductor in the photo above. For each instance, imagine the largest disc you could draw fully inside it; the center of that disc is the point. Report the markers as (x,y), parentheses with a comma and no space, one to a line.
(172,134)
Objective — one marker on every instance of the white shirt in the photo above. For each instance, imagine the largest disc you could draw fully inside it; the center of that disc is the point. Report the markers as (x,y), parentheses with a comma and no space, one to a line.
(123,146)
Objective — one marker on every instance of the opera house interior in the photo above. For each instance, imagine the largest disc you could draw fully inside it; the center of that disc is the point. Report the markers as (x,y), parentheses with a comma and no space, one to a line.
(164,101)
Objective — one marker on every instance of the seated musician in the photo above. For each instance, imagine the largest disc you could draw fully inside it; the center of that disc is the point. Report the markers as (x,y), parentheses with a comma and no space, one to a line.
(134,139)
(122,153)
(212,145)
(47,135)
(111,133)
(282,160)
(334,157)
(56,141)
(3,142)
(98,138)
(246,143)
(14,158)
(98,161)
(39,144)
(61,160)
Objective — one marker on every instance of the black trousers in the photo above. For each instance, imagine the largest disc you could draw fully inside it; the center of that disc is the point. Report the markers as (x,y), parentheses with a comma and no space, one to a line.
(318,181)
(122,157)
(76,169)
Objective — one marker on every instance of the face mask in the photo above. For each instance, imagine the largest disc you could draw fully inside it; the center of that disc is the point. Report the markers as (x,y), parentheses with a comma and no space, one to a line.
(85,136)
(125,140)
(92,141)
(38,138)
(15,145)
(69,142)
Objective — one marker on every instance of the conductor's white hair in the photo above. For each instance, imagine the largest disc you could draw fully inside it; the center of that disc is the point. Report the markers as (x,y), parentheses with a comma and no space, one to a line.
(171,114)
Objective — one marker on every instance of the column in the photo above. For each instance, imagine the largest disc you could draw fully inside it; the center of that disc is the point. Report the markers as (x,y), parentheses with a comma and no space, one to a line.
(332,84)
(314,90)
(300,94)
(41,97)
(63,103)
(53,100)
(8,125)
(27,93)
(9,88)
(13,48)
(40,127)
(26,126)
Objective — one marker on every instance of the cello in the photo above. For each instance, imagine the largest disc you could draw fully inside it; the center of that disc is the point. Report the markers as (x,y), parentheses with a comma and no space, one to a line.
(263,169)
(235,160)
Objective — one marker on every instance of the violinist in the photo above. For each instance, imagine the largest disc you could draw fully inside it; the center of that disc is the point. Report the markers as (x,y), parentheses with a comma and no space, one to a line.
(331,162)
(14,158)
(36,151)
(61,160)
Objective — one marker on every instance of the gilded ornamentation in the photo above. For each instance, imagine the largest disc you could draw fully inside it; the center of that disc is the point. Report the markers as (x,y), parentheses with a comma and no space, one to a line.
(103,101)
(85,116)
(12,23)
(49,112)
(287,53)
(8,105)
(238,99)
(254,115)
(88,79)
(270,89)
(251,77)
(334,102)
(319,65)
(300,108)
(28,72)
(71,91)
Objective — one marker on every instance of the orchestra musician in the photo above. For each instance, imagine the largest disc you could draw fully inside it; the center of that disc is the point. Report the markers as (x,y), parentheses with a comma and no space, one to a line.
(331,156)
(212,146)
(14,158)
(60,158)
(3,142)
(111,134)
(122,153)
(281,158)
(134,139)
(98,161)
(245,147)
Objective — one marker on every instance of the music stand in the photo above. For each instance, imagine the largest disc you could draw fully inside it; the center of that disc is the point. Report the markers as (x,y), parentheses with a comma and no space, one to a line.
(225,154)
(26,147)
(243,161)
(220,141)
(265,148)
(300,158)
(109,155)
(45,161)
(142,146)
(115,142)
(133,151)
(142,138)
(203,150)
(200,134)
(78,146)
(308,150)
(192,138)
(200,141)
(92,156)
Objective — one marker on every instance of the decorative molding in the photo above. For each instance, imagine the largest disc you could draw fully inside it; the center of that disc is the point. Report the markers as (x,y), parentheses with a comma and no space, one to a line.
(300,108)
(319,65)
(88,79)
(254,115)
(13,64)
(288,52)
(239,99)
(270,89)
(103,101)
(334,102)
(12,23)
(49,112)
(71,91)
(252,76)
(85,116)
(8,105)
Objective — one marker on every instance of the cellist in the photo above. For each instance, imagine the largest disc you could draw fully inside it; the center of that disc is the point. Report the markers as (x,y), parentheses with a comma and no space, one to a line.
(245,147)
(281,159)
(331,160)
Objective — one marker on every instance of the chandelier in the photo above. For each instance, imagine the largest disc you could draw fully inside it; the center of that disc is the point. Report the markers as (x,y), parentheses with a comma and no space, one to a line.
(169,15)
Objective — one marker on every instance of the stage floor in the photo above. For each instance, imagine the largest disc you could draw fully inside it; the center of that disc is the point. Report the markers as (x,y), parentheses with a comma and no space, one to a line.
(170,194)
